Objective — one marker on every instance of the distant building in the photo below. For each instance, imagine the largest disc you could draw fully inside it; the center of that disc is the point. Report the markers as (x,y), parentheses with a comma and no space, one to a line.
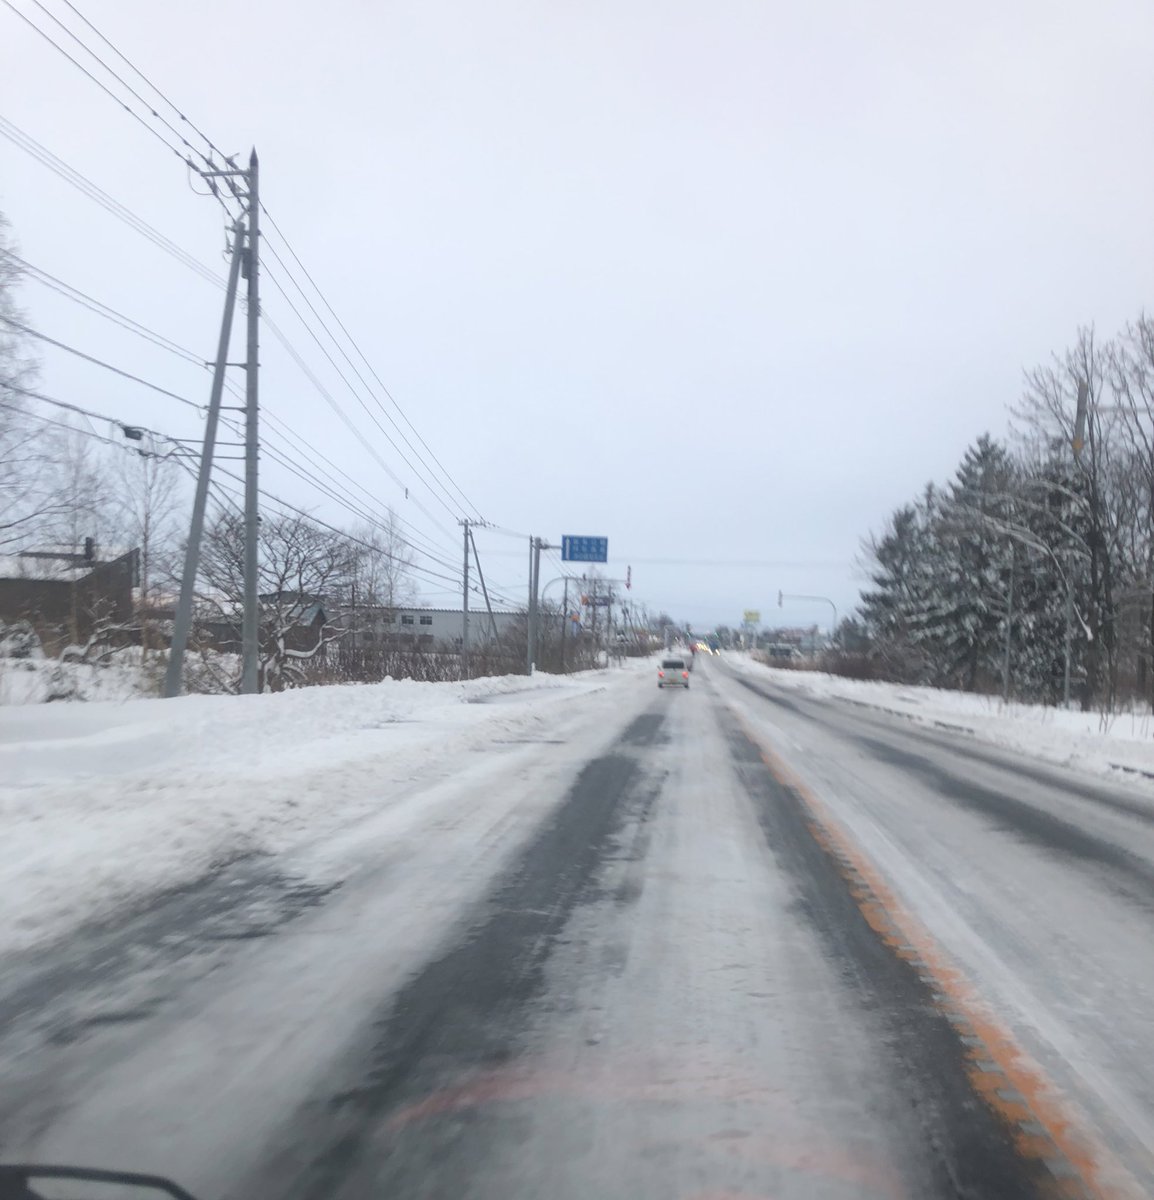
(69,598)
(423,628)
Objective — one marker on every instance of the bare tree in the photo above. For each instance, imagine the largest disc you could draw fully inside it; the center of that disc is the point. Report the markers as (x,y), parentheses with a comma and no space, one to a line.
(26,497)
(1132,377)
(147,501)
(383,572)
(301,564)
(79,477)
(1049,410)
(381,576)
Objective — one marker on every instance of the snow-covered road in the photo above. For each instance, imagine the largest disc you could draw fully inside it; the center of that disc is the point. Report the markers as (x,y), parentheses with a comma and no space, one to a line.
(613,942)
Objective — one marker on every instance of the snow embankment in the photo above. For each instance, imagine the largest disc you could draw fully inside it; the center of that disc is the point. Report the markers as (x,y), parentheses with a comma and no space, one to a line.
(102,804)
(1119,745)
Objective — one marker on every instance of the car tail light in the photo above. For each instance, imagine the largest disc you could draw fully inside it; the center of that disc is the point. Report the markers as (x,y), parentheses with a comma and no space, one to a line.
(684,674)
(660,674)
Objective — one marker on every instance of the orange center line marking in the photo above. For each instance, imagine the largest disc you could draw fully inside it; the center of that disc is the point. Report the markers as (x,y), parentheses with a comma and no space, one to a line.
(1000,1071)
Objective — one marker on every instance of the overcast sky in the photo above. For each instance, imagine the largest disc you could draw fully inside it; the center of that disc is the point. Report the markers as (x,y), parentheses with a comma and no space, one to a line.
(724,282)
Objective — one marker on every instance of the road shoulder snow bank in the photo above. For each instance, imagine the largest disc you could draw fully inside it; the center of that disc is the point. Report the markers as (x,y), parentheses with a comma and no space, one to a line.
(105,804)
(1118,746)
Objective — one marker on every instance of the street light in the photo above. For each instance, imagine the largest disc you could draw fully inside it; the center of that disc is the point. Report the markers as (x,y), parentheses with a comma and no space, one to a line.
(783,596)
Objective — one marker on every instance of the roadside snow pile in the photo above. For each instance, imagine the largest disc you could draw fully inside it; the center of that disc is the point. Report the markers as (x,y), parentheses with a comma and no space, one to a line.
(102,803)
(1117,745)
(42,680)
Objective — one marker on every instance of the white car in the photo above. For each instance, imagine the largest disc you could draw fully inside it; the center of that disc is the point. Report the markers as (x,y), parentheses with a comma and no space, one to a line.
(673,672)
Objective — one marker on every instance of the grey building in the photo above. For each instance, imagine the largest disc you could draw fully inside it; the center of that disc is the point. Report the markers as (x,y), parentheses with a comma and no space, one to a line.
(424,628)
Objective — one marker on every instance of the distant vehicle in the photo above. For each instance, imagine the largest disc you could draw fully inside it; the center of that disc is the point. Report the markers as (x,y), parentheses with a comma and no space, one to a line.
(673,672)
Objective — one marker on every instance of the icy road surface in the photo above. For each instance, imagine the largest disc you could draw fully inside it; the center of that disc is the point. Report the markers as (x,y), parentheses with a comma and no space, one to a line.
(721,944)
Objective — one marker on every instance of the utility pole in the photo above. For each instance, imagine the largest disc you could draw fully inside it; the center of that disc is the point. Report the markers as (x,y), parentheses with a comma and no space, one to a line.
(536,545)
(484,589)
(250,627)
(175,671)
(465,606)
(783,596)
(529,614)
(564,622)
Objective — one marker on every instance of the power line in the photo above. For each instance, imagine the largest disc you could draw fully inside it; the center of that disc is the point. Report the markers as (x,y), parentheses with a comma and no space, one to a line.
(110,204)
(301,512)
(132,66)
(96,416)
(102,86)
(42,277)
(83,184)
(97,361)
(119,79)
(275,454)
(414,539)
(78,180)
(76,429)
(352,341)
(360,400)
(332,403)
(85,412)
(388,416)
(345,501)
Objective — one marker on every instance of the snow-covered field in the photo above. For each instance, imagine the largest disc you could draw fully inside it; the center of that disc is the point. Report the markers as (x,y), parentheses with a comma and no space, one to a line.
(104,803)
(1114,746)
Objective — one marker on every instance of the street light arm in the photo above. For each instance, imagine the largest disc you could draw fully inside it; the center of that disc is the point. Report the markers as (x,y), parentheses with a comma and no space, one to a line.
(812,599)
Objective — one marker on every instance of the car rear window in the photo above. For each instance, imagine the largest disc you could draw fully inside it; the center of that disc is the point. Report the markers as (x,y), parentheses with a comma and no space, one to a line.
(674,664)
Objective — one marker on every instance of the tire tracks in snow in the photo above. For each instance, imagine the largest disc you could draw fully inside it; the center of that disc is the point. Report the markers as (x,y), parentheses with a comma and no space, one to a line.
(1018,1141)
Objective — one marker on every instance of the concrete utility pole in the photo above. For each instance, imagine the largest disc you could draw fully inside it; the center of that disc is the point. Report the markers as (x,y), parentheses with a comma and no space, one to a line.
(175,671)
(250,628)
(536,545)
(564,622)
(465,605)
(484,589)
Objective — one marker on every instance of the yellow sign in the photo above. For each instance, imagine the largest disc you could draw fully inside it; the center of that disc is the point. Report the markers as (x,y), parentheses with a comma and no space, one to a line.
(752,616)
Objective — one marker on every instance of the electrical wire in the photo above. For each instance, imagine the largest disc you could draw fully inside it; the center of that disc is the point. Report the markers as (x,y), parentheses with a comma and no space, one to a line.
(344,501)
(360,400)
(411,536)
(75,429)
(133,67)
(97,361)
(119,79)
(103,87)
(414,539)
(92,191)
(110,204)
(329,399)
(42,277)
(113,206)
(272,250)
(85,412)
(96,416)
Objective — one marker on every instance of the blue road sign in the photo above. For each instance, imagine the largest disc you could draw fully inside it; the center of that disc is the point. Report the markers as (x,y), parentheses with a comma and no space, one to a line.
(584,549)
